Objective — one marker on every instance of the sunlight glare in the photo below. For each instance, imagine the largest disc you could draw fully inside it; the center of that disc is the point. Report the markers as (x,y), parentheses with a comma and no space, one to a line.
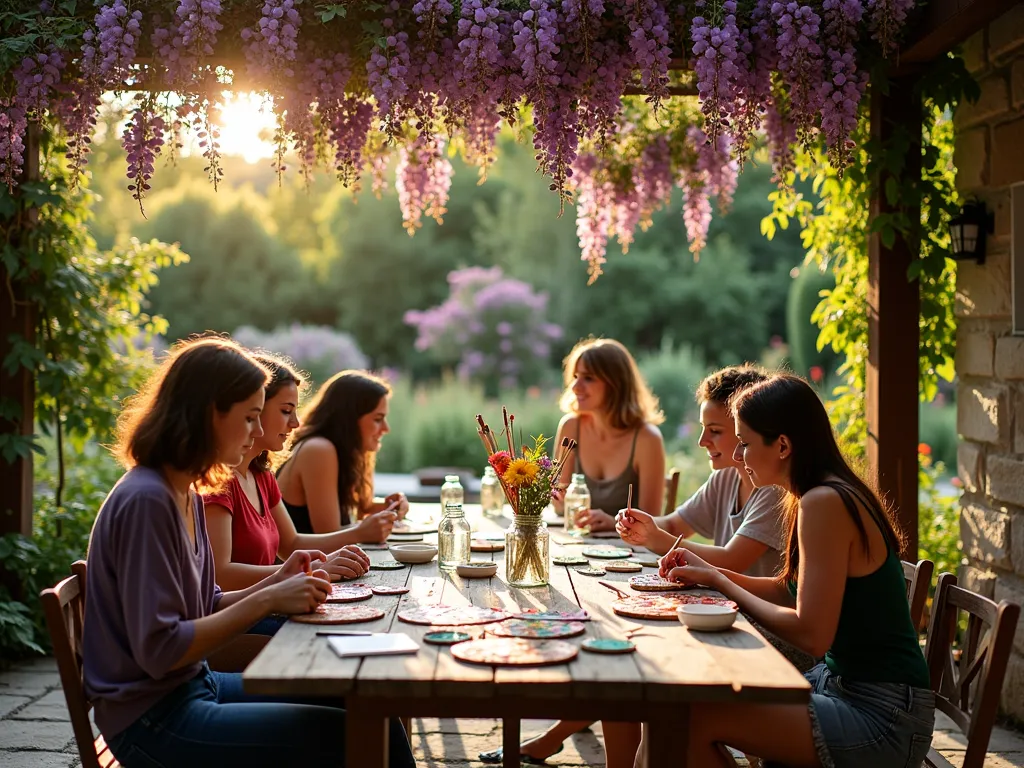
(247,122)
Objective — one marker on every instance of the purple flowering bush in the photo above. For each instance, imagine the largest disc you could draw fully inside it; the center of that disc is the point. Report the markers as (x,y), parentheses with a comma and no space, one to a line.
(316,349)
(491,329)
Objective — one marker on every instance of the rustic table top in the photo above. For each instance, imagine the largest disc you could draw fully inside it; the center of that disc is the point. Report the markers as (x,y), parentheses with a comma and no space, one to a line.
(671,663)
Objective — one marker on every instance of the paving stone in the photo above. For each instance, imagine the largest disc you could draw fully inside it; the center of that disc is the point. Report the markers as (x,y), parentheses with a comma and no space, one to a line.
(25,734)
(992,760)
(36,664)
(10,703)
(36,760)
(583,749)
(52,706)
(28,683)
(451,725)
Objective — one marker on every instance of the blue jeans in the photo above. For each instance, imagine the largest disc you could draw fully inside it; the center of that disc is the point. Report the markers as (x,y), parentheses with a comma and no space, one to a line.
(268,626)
(882,725)
(210,722)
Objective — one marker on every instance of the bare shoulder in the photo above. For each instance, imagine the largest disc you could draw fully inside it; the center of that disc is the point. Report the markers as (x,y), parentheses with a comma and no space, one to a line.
(650,435)
(567,421)
(822,509)
(318,452)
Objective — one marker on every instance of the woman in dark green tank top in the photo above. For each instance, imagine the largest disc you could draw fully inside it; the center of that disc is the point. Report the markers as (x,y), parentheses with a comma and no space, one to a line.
(841,596)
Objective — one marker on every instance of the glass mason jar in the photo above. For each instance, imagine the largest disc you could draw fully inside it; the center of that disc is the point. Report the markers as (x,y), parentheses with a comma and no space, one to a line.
(577,498)
(451,492)
(453,536)
(492,497)
(527,563)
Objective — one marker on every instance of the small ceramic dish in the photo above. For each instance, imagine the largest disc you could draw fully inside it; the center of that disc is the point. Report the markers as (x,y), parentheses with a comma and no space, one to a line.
(706,618)
(413,553)
(477,569)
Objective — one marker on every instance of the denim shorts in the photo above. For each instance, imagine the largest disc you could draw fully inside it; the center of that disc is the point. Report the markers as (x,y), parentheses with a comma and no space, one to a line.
(882,725)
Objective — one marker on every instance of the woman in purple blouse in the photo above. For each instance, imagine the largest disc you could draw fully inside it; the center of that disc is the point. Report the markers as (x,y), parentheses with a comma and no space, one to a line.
(154,613)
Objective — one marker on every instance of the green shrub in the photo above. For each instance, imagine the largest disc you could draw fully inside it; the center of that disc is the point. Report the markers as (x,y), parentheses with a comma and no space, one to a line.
(937,430)
(60,535)
(673,373)
(938,524)
(804,295)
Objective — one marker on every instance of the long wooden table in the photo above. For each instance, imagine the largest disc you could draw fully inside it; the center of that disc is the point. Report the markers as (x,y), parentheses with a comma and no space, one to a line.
(671,671)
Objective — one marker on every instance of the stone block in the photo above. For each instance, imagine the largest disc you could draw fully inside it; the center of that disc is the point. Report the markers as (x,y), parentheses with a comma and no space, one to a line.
(985,533)
(28,683)
(52,706)
(1018,426)
(10,703)
(993,101)
(1005,479)
(977,580)
(1006,33)
(969,466)
(1017,83)
(29,734)
(983,290)
(1000,203)
(975,353)
(975,53)
(1012,588)
(1007,159)
(37,760)
(970,155)
(1011,700)
(982,413)
(1009,357)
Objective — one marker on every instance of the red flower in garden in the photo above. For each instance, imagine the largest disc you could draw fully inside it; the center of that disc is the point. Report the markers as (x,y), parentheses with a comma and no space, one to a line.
(924,449)
(500,461)
(817,374)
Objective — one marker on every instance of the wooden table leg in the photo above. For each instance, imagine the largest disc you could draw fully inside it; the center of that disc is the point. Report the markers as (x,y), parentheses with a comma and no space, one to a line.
(665,742)
(366,739)
(510,742)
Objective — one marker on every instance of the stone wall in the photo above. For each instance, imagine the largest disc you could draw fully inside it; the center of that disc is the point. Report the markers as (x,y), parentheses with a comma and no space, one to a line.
(989,361)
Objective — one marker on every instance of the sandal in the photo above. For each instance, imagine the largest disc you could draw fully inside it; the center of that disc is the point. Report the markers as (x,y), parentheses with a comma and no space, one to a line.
(495,756)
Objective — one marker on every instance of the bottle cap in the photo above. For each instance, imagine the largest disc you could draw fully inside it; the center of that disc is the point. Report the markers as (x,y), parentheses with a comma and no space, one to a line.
(579,477)
(451,478)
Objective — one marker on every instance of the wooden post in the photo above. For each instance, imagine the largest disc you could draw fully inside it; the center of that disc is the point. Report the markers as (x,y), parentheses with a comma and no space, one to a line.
(17,317)
(894,323)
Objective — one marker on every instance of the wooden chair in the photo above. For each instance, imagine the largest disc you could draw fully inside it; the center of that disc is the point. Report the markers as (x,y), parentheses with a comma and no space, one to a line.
(671,491)
(919,579)
(64,608)
(968,692)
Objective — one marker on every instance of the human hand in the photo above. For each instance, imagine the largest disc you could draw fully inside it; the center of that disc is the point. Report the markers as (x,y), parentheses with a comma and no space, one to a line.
(397,503)
(684,567)
(299,561)
(635,526)
(345,563)
(375,528)
(299,594)
(595,520)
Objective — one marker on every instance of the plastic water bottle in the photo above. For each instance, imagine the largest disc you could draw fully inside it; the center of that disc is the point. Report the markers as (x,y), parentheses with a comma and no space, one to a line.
(577,497)
(492,497)
(453,539)
(451,492)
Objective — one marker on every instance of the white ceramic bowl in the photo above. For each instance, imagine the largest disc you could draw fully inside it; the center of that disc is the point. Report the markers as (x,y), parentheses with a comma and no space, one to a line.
(707,618)
(477,569)
(413,553)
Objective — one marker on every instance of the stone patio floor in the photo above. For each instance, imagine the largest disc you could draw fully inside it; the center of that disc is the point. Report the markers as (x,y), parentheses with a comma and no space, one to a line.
(35,731)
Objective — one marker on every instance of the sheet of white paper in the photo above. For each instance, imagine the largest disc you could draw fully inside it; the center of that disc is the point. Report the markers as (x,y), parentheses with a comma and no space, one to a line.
(377,644)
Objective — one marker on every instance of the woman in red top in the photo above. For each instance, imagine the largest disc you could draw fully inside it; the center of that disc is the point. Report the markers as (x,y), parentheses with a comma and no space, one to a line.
(248,525)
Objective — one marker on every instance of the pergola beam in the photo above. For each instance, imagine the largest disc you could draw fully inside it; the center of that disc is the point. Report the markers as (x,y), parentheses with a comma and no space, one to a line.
(945,24)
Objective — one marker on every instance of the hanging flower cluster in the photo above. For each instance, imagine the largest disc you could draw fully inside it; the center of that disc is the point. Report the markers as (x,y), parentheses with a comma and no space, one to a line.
(353,82)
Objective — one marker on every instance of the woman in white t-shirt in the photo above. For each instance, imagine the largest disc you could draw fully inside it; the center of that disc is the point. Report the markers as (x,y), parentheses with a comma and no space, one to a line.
(744,522)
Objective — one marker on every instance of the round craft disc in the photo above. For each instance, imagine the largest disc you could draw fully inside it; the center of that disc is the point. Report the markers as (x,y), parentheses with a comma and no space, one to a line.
(515,652)
(652,582)
(482,545)
(624,567)
(340,614)
(387,565)
(649,563)
(450,615)
(535,629)
(489,536)
(349,593)
(386,589)
(405,538)
(591,571)
(608,553)
(411,529)
(662,607)
(446,638)
(607,645)
(569,560)
(534,615)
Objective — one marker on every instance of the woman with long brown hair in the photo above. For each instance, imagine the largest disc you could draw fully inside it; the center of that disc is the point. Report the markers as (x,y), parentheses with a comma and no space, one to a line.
(841,595)
(327,481)
(154,611)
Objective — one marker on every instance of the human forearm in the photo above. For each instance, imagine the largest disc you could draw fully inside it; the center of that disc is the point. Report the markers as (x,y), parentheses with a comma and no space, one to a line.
(326,542)
(233,577)
(782,620)
(213,631)
(768,589)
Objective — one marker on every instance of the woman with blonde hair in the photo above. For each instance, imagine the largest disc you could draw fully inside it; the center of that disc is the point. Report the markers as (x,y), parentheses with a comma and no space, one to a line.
(327,481)
(613,416)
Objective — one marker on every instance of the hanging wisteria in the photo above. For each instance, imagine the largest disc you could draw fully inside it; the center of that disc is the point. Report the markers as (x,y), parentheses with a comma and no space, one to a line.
(354,82)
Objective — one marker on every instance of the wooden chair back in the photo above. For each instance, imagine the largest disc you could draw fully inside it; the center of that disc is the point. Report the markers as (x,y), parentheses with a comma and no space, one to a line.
(671,491)
(64,608)
(968,691)
(919,579)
